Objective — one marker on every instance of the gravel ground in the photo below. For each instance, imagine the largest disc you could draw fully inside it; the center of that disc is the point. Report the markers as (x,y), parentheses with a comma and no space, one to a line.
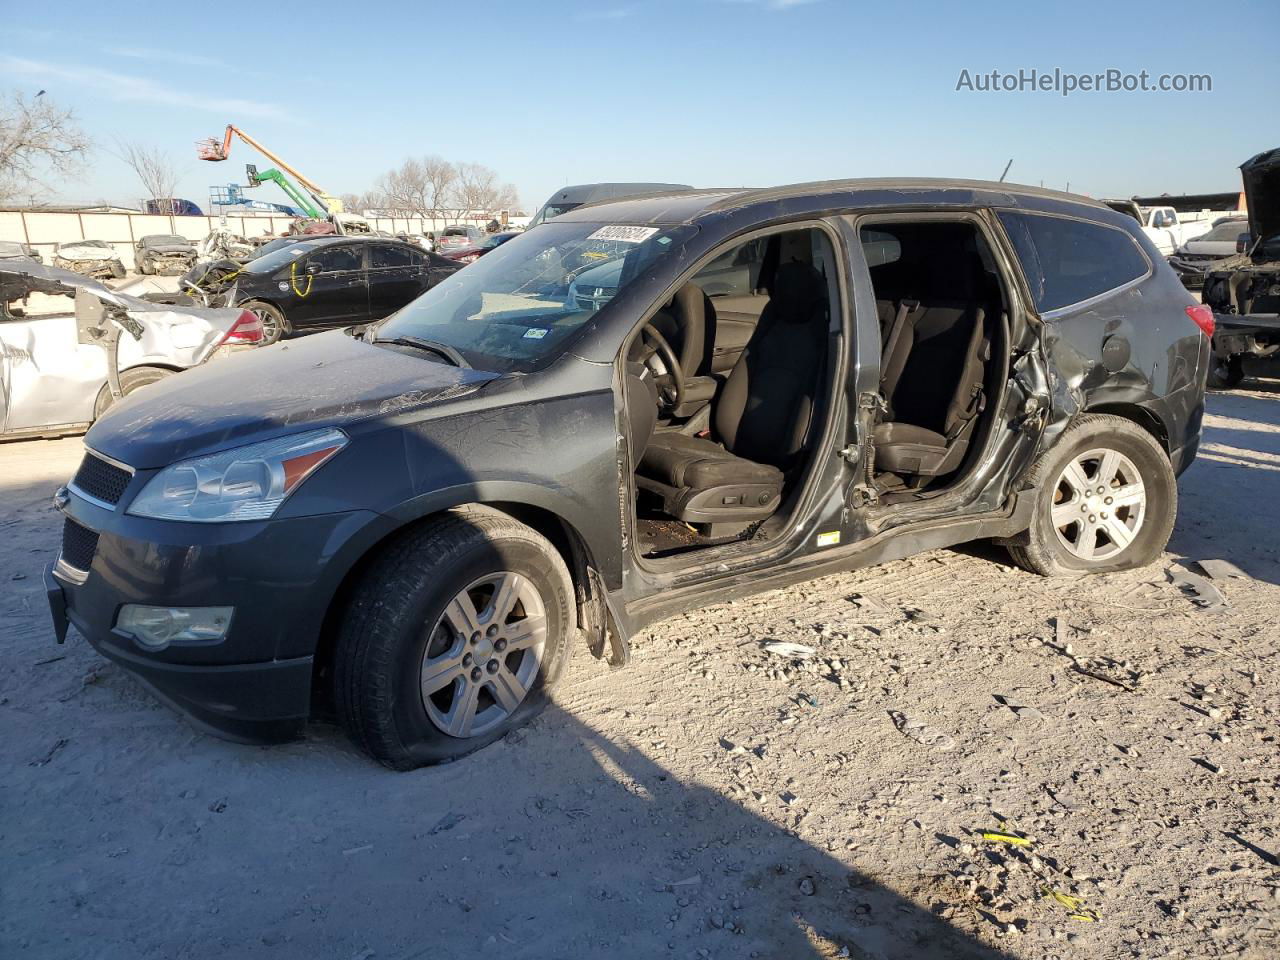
(716,799)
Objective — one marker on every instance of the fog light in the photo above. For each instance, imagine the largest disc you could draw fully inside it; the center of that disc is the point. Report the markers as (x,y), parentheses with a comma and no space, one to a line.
(156,627)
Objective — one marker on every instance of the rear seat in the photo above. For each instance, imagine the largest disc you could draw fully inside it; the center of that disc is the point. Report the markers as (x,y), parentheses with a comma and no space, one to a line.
(935,348)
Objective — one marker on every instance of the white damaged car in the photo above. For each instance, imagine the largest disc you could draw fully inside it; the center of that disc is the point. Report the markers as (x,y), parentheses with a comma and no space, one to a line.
(60,330)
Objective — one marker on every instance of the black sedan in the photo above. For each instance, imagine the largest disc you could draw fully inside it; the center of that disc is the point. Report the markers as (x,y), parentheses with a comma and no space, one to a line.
(329,282)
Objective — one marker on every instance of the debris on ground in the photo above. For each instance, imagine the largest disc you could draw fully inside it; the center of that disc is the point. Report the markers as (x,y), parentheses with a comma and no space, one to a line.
(1197,589)
(1222,570)
(921,732)
(783,649)
(50,753)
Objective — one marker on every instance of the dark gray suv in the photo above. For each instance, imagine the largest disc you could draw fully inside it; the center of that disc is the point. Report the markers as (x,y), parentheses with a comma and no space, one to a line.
(412,521)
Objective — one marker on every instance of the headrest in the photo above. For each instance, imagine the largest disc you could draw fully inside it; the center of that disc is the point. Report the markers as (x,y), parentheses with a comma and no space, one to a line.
(688,300)
(797,290)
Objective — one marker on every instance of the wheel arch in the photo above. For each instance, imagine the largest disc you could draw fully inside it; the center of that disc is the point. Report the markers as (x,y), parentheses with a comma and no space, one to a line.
(146,365)
(1144,417)
(562,534)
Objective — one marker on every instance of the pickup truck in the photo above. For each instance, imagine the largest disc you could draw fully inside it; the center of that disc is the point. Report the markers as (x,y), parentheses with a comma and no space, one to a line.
(1167,230)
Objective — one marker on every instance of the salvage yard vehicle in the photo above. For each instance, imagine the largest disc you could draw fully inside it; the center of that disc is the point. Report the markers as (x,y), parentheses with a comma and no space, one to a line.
(415,519)
(316,283)
(1194,258)
(93,258)
(165,254)
(570,198)
(9,250)
(462,235)
(473,252)
(1244,291)
(1162,224)
(59,331)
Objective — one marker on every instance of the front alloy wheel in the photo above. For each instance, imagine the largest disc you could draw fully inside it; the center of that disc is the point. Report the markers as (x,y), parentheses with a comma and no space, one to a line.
(454,636)
(484,654)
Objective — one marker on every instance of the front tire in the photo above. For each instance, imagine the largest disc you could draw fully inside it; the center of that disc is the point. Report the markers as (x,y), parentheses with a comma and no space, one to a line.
(1106,500)
(453,637)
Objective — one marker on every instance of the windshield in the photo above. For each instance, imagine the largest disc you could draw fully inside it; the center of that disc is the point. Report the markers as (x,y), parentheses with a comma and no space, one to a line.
(271,262)
(518,306)
(1229,230)
(164,238)
(95,244)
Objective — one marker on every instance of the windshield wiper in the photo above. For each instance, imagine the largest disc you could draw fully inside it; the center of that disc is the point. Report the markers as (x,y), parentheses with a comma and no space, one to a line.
(433,346)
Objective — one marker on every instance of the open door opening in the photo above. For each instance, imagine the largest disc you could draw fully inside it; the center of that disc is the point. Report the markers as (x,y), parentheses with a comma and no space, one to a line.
(727,388)
(943,314)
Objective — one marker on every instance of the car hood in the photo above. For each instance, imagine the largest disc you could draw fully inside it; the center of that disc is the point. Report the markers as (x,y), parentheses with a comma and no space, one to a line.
(327,380)
(1261,175)
(70,251)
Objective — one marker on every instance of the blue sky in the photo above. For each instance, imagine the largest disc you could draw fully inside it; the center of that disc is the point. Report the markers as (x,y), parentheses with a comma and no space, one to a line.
(708,92)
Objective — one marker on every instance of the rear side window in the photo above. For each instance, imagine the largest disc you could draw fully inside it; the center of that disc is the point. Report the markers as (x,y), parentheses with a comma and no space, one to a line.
(385,255)
(1067,261)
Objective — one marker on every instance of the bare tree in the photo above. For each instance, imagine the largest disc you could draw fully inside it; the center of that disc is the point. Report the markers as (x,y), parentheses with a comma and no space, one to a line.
(478,190)
(36,136)
(419,187)
(156,170)
(359,202)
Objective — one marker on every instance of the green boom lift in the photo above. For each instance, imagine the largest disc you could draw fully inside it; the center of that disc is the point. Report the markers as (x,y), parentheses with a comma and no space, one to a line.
(297,196)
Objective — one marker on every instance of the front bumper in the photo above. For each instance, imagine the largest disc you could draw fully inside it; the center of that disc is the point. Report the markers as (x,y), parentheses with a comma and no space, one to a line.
(279,576)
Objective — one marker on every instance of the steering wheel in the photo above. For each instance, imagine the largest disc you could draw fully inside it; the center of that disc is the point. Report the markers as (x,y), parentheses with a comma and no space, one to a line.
(670,384)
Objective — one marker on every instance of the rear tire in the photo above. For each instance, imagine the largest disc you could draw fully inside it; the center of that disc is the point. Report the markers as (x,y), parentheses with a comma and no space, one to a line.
(405,676)
(274,325)
(1106,499)
(130,380)
(1226,373)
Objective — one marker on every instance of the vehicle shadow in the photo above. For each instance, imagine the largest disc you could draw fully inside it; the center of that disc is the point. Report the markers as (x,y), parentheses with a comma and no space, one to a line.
(144,838)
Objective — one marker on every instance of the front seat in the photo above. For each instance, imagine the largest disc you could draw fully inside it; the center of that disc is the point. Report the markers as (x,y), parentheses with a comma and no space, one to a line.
(761,417)
(688,323)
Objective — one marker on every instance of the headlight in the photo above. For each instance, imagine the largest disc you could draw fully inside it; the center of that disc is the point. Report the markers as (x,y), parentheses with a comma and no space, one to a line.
(247,483)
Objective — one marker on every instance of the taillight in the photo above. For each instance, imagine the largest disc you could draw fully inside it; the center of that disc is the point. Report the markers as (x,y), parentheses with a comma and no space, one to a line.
(246,329)
(1202,316)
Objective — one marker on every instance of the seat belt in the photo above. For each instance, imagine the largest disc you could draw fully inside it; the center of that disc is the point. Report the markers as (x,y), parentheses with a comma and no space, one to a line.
(905,309)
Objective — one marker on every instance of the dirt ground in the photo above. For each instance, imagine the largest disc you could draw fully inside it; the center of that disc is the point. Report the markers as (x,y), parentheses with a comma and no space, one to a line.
(715,800)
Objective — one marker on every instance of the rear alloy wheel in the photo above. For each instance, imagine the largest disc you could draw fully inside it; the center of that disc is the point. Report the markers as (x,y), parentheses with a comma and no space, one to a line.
(1106,499)
(130,380)
(454,636)
(274,325)
(1098,505)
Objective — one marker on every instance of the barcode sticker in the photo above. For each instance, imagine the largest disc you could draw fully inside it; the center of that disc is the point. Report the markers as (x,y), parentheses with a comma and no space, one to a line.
(624,234)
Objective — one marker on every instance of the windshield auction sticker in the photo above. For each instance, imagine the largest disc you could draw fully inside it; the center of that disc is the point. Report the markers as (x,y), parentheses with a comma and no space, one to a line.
(624,234)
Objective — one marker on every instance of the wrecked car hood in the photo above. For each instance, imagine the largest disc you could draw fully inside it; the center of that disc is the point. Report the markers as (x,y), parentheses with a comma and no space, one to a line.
(1261,176)
(186,249)
(327,380)
(72,251)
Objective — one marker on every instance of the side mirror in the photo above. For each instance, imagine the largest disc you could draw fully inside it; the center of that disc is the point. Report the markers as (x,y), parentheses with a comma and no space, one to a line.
(312,268)
(1242,243)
